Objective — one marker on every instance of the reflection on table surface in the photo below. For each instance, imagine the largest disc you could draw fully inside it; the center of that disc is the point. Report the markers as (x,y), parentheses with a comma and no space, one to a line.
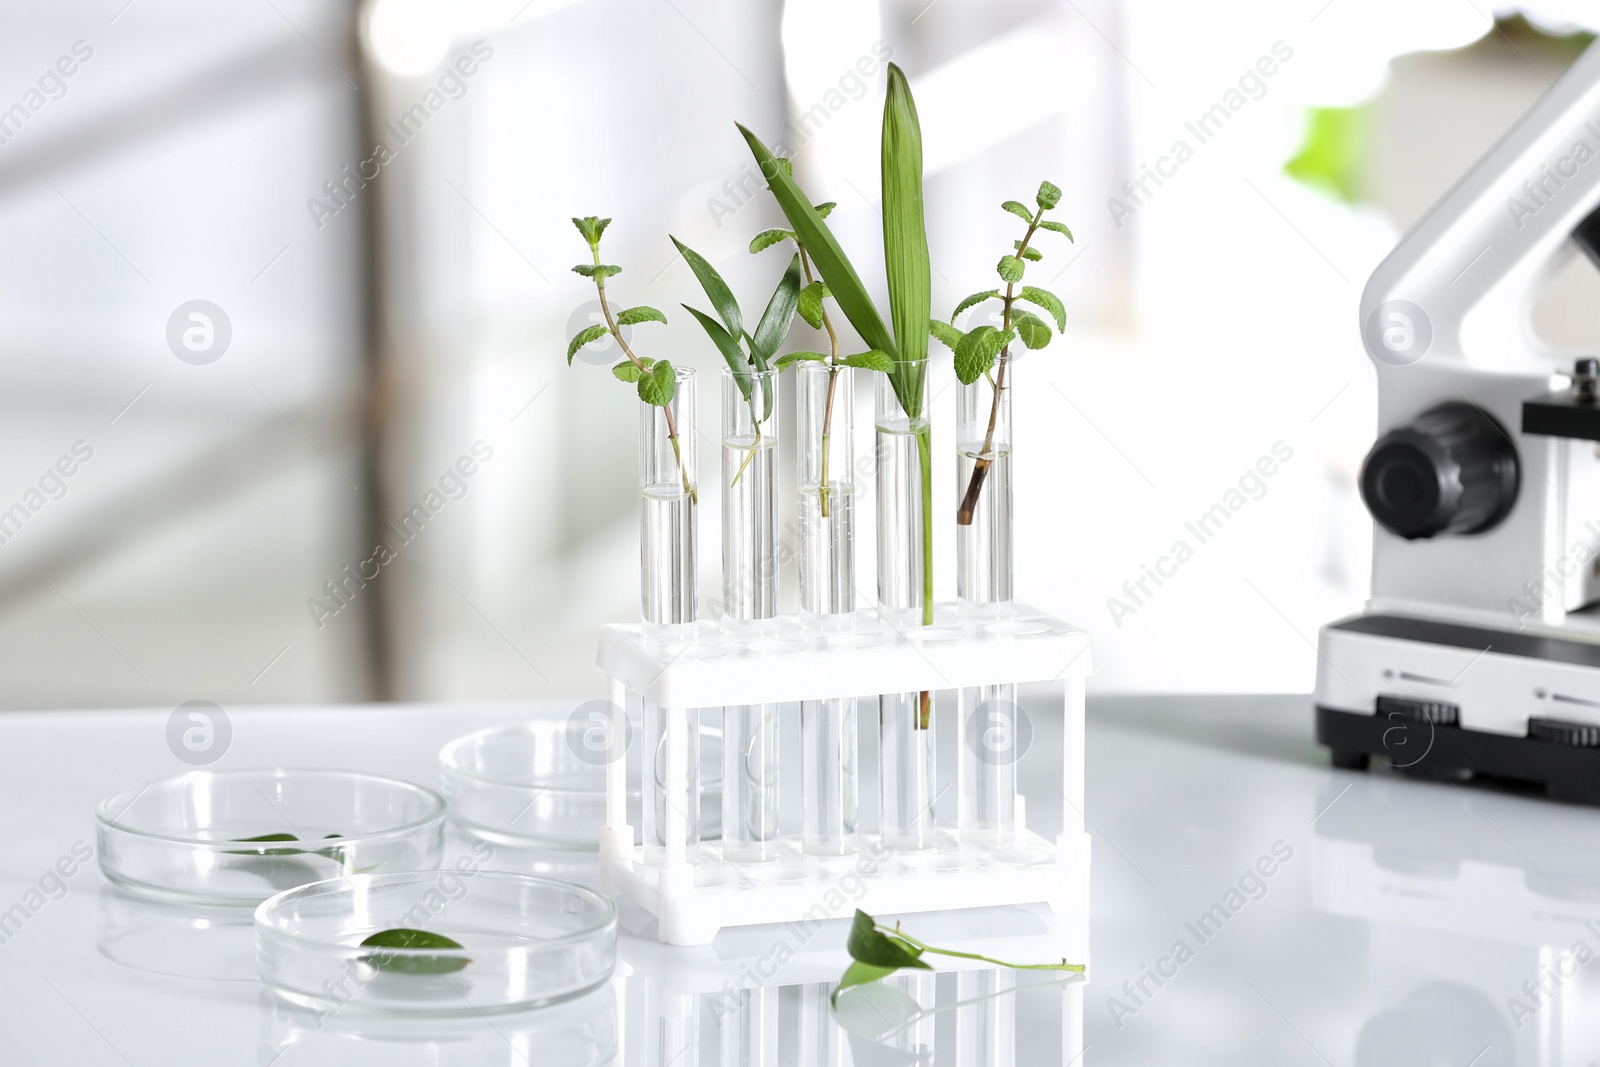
(978,1018)
(1480,951)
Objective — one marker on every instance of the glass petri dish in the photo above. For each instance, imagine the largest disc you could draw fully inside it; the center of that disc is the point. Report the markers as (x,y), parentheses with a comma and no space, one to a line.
(237,837)
(541,783)
(525,942)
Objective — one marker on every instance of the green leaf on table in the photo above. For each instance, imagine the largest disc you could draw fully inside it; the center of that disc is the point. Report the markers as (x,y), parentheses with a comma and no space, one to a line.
(977,350)
(717,290)
(1018,209)
(634,316)
(1049,302)
(600,271)
(404,938)
(868,944)
(1048,196)
(945,333)
(974,300)
(859,973)
(877,361)
(1032,331)
(1057,227)
(877,952)
(1010,269)
(587,335)
(767,238)
(657,387)
(810,306)
(789,359)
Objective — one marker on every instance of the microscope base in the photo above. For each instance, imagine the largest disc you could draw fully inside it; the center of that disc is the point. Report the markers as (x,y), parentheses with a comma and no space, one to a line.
(1452,754)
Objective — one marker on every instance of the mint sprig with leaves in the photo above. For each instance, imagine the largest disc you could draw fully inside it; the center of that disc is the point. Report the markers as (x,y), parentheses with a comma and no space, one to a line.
(877,951)
(655,379)
(985,351)
(745,353)
(812,307)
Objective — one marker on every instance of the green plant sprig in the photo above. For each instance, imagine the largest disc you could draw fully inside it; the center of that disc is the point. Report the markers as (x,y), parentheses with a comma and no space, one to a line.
(655,379)
(745,353)
(877,951)
(812,307)
(905,247)
(985,349)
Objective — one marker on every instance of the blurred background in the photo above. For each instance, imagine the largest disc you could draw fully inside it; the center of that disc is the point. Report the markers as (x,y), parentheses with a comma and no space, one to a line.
(271,269)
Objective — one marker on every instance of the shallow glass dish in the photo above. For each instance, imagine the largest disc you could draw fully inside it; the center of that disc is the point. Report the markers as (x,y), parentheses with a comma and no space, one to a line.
(541,783)
(238,837)
(525,942)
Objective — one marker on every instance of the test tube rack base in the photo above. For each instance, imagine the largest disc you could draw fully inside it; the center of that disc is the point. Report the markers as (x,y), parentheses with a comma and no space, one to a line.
(694,891)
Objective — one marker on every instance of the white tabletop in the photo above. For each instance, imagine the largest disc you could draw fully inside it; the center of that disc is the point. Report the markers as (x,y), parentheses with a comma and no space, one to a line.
(1395,923)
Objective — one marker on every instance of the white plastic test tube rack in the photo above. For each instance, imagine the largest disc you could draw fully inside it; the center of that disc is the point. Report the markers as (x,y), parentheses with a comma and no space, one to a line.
(694,892)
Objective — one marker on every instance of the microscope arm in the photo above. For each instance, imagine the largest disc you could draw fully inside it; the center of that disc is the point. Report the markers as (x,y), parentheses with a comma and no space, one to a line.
(1487,242)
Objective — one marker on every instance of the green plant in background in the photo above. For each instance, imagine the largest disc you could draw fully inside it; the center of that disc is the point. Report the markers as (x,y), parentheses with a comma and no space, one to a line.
(1334,158)
(812,307)
(905,246)
(985,351)
(655,379)
(758,348)
(877,951)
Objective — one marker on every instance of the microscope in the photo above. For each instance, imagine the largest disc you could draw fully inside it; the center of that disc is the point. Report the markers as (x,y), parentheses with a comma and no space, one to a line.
(1479,650)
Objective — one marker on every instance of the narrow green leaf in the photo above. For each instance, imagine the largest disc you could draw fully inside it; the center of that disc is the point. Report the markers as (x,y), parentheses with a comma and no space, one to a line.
(1048,196)
(945,333)
(591,227)
(402,938)
(584,336)
(826,209)
(905,242)
(767,238)
(810,306)
(869,361)
(977,350)
(1031,329)
(1057,227)
(601,271)
(1018,209)
(1031,254)
(264,838)
(823,248)
(789,359)
(974,299)
(1010,269)
(867,944)
(777,318)
(1049,302)
(716,289)
(732,354)
(634,316)
(657,387)
(858,974)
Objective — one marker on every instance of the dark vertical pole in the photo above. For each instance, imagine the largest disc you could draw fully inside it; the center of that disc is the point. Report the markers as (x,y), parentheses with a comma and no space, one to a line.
(372,404)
